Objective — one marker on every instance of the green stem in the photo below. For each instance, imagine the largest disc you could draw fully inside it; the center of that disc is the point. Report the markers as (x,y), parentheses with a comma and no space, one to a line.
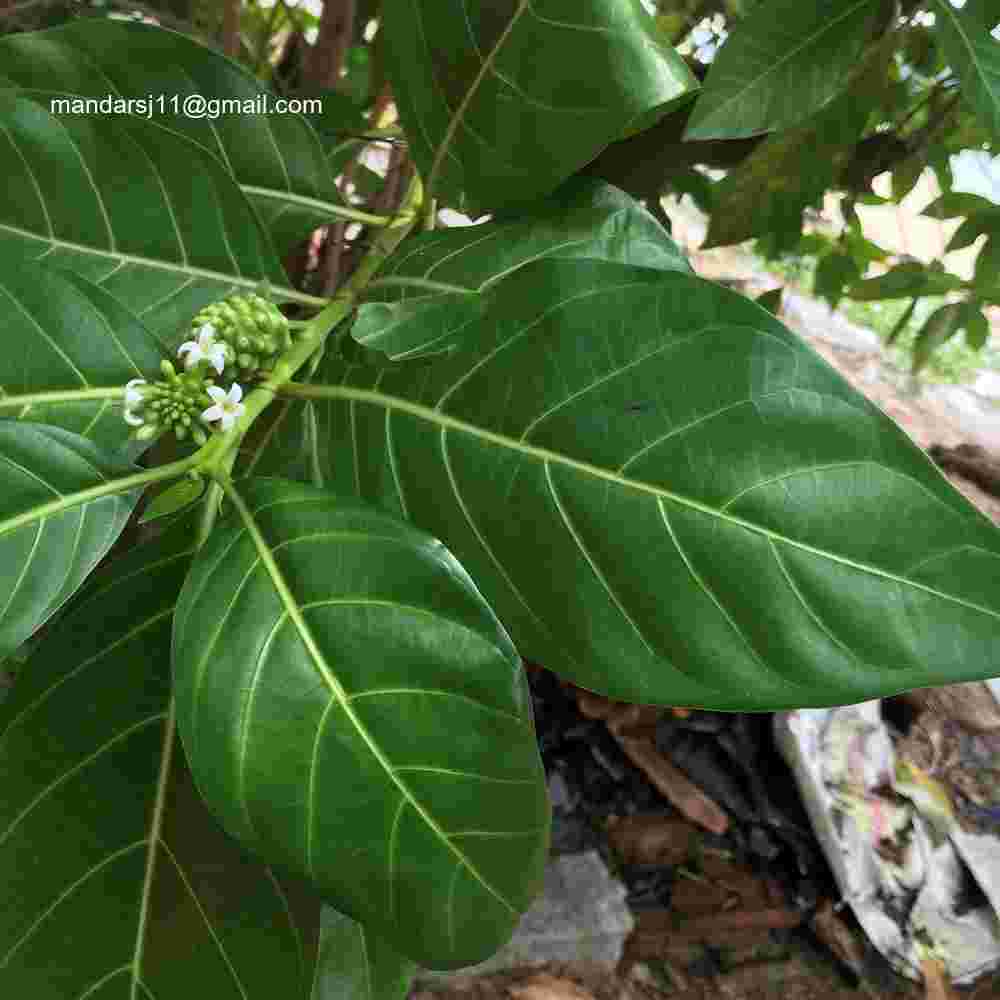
(123,485)
(60,396)
(222,448)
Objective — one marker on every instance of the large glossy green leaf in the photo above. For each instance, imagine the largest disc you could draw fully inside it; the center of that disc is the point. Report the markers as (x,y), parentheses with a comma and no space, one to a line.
(114,879)
(62,332)
(905,281)
(356,964)
(780,65)
(503,100)
(275,157)
(974,56)
(765,195)
(668,497)
(52,534)
(586,219)
(141,211)
(352,709)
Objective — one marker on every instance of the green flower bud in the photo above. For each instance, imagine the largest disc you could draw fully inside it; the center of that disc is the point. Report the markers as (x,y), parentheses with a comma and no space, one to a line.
(250,328)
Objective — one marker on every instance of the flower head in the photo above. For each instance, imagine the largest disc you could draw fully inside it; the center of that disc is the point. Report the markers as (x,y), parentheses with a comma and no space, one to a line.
(227,405)
(205,348)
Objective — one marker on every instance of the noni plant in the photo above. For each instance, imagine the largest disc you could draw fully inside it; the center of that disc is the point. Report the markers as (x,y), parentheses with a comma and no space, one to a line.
(279,743)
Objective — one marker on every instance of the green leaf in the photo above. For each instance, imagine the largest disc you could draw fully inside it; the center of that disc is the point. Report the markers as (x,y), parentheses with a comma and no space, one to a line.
(977,326)
(52,533)
(975,57)
(146,214)
(116,880)
(666,496)
(765,195)
(356,964)
(276,158)
(939,327)
(353,710)
(972,228)
(903,322)
(771,300)
(905,176)
(863,250)
(833,273)
(491,123)
(694,184)
(586,219)
(903,282)
(62,332)
(987,269)
(781,65)
(173,499)
(955,204)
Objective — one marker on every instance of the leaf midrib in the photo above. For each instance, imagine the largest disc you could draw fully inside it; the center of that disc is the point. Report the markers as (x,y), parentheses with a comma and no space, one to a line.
(280,291)
(544,455)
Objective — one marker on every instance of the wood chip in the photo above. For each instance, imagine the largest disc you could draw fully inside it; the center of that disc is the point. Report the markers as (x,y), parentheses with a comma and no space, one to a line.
(937,984)
(690,800)
(547,987)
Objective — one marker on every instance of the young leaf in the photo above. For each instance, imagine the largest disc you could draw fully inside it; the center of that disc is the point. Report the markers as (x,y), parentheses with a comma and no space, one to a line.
(52,533)
(835,271)
(491,123)
(903,282)
(987,272)
(353,710)
(275,158)
(971,229)
(62,332)
(116,880)
(174,498)
(782,64)
(975,57)
(147,214)
(669,498)
(940,327)
(355,964)
(977,326)
(586,219)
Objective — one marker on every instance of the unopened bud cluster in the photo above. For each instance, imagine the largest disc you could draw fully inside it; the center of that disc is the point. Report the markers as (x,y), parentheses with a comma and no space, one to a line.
(253,332)
(238,338)
(175,404)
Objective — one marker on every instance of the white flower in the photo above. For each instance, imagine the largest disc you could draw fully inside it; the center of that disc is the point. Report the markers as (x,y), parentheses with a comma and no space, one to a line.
(227,405)
(205,348)
(133,397)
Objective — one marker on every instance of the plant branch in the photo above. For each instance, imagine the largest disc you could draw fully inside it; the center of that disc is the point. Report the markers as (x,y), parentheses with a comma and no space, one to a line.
(221,449)
(326,58)
(231,28)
